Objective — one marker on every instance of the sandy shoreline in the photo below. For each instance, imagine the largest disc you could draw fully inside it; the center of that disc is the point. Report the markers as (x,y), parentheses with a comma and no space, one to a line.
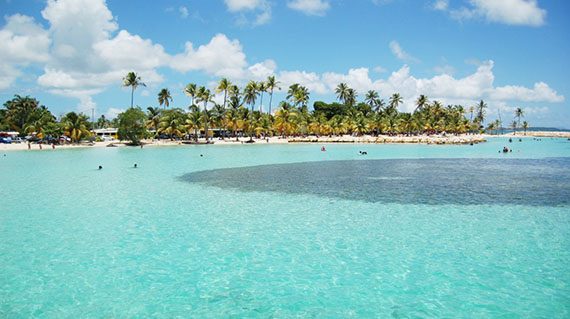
(540,134)
(366,139)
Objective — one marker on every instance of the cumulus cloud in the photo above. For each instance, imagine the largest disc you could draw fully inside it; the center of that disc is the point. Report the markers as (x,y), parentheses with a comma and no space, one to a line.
(23,42)
(540,92)
(444,87)
(310,7)
(220,57)
(399,52)
(260,71)
(511,12)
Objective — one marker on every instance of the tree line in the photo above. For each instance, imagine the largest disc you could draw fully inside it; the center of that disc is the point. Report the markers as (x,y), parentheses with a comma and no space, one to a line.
(241,114)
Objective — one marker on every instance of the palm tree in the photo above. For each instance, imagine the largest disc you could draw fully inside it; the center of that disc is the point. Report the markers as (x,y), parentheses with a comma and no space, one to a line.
(480,116)
(153,119)
(525,126)
(342,92)
(164,97)
(204,95)
(514,126)
(224,86)
(301,96)
(218,114)
(293,88)
(421,102)
(271,84)
(134,81)
(75,126)
(194,122)
(372,98)
(351,96)
(519,112)
(190,90)
(172,123)
(261,88)
(250,93)
(395,100)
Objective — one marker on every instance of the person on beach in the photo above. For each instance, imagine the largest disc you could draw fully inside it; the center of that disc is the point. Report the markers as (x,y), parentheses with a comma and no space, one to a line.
(53,146)
(29,145)
(40,145)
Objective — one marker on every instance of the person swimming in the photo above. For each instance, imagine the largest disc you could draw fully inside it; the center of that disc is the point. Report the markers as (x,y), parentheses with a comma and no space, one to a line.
(323,149)
(100,167)
(135,166)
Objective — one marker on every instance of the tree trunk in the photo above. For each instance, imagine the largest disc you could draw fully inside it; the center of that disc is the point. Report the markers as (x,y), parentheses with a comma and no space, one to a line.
(270,100)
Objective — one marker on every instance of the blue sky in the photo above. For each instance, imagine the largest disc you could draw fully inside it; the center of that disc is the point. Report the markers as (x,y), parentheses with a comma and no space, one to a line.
(72,54)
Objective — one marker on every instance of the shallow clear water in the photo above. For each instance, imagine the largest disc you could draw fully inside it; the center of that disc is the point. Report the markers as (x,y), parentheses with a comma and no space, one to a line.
(185,235)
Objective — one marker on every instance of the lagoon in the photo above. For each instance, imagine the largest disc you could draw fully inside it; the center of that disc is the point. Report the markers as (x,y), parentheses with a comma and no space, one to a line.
(287,230)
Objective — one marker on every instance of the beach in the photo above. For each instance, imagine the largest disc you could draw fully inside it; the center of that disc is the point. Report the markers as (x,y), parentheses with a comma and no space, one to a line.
(365,139)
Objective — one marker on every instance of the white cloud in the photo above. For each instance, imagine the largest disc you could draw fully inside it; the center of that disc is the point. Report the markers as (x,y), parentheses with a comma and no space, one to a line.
(23,42)
(441,5)
(445,88)
(444,69)
(183,12)
(310,7)
(511,12)
(260,8)
(130,52)
(379,69)
(399,52)
(260,71)
(241,5)
(113,112)
(220,57)
(311,80)
(541,92)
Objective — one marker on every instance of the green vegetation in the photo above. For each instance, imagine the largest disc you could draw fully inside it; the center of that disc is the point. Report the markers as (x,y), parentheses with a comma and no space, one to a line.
(132,125)
(239,116)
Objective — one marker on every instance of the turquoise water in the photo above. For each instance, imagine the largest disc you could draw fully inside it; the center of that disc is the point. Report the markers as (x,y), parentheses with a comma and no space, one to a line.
(157,241)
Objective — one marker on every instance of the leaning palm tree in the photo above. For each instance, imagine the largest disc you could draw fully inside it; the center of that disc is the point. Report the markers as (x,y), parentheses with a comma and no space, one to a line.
(421,102)
(191,90)
(223,86)
(134,81)
(164,98)
(271,84)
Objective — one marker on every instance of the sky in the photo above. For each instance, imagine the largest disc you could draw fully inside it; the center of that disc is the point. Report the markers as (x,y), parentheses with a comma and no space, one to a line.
(72,54)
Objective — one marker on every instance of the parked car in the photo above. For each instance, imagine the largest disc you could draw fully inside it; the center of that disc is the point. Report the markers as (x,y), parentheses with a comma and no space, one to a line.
(5,140)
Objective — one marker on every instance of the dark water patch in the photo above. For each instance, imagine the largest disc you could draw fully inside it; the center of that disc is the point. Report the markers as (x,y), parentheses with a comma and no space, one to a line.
(536,182)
